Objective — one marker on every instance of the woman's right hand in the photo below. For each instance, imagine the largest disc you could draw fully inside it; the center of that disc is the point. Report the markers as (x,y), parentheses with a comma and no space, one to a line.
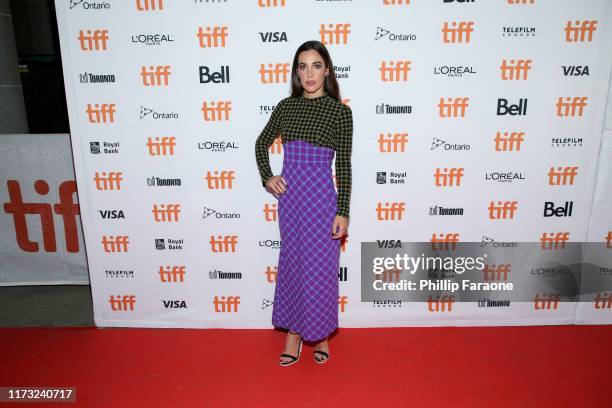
(276,185)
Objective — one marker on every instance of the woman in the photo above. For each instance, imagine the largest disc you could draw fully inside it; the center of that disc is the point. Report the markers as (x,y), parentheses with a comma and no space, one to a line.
(313,124)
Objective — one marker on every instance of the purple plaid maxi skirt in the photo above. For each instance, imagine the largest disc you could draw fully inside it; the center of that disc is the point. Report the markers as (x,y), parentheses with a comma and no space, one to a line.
(306,293)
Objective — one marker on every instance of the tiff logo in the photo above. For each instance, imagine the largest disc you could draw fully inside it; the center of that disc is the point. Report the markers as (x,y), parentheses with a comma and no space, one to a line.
(551,240)
(457,33)
(568,107)
(452,107)
(390,212)
(110,181)
(509,143)
(562,176)
(216,111)
(543,301)
(495,272)
(274,73)
(149,5)
(220,180)
(163,147)
(442,303)
(104,113)
(225,243)
(392,142)
(578,31)
(122,303)
(503,210)
(448,177)
(66,208)
(166,212)
(213,37)
(113,244)
(155,75)
(442,241)
(172,273)
(395,71)
(335,33)
(95,41)
(515,70)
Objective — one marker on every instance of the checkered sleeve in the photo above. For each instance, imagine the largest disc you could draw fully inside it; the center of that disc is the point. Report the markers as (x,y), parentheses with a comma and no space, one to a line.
(344,141)
(264,141)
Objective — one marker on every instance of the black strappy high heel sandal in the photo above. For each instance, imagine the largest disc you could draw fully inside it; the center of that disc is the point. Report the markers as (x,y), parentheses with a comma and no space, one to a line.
(294,359)
(321,353)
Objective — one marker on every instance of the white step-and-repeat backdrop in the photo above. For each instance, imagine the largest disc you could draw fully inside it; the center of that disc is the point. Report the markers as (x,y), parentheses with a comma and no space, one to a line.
(478,120)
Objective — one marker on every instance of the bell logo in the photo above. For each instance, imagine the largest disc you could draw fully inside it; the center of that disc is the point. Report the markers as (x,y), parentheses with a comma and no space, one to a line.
(155,75)
(213,37)
(342,302)
(442,303)
(457,33)
(448,177)
(603,301)
(441,241)
(122,303)
(114,244)
(229,305)
(562,176)
(110,181)
(271,274)
(542,301)
(270,3)
(335,33)
(509,143)
(390,212)
(66,208)
(551,240)
(148,5)
(104,113)
(93,41)
(220,180)
(395,2)
(568,107)
(392,142)
(608,239)
(452,107)
(576,32)
(502,210)
(163,146)
(226,243)
(216,111)
(515,70)
(496,272)
(172,273)
(272,73)
(396,71)
(270,212)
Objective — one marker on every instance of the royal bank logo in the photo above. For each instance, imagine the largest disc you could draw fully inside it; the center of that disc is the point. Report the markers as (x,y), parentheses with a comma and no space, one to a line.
(148,113)
(384,34)
(172,244)
(443,145)
(394,177)
(342,72)
(104,147)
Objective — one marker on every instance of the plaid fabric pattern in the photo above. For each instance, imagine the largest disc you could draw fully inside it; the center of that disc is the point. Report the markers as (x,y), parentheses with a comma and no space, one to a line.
(322,121)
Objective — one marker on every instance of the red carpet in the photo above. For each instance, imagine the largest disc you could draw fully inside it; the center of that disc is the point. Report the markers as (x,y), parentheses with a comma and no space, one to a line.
(541,366)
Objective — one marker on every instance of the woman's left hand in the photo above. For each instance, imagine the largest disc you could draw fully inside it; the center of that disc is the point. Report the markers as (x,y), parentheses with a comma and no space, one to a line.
(340,226)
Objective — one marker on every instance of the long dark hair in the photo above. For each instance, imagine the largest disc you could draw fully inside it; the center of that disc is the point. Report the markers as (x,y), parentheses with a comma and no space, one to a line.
(330,84)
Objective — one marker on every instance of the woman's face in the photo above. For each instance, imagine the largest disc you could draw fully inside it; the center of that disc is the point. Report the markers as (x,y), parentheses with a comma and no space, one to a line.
(312,71)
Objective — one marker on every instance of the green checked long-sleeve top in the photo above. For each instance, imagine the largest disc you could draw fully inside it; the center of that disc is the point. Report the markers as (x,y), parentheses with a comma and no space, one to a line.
(322,121)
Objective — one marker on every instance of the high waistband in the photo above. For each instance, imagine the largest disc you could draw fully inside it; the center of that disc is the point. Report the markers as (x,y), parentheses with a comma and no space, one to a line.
(305,153)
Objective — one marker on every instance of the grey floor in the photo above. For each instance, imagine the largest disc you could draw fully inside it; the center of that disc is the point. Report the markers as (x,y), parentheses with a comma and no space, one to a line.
(46,306)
